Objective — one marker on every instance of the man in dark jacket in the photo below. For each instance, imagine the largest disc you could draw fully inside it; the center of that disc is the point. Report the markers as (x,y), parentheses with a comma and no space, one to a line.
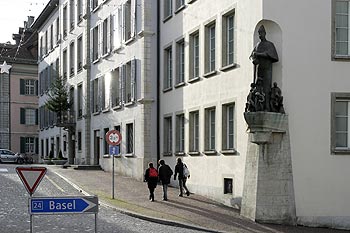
(165,174)
(179,169)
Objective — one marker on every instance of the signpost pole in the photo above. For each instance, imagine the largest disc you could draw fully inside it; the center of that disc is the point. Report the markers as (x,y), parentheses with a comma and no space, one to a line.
(113,177)
(31,219)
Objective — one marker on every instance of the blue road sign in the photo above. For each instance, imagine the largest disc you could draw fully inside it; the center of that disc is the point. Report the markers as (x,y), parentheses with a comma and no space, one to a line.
(63,205)
(114,150)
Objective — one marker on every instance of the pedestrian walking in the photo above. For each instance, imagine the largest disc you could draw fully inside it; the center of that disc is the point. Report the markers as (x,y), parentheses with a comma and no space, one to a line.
(182,170)
(165,174)
(151,177)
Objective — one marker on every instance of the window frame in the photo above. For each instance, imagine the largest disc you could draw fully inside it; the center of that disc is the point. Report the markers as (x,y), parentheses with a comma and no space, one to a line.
(337,96)
(130,140)
(194,56)
(168,135)
(210,48)
(180,62)
(334,54)
(168,68)
(180,134)
(194,132)
(228,146)
(210,134)
(226,55)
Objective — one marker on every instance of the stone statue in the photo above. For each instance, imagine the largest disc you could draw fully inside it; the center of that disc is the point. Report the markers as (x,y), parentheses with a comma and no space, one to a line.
(263,56)
(276,99)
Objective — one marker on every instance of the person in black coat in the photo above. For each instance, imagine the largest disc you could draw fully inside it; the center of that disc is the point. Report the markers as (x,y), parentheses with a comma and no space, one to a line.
(151,180)
(179,169)
(165,174)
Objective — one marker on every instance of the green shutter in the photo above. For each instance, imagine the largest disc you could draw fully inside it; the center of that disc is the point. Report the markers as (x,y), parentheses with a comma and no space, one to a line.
(23,116)
(23,145)
(22,87)
(36,117)
(36,145)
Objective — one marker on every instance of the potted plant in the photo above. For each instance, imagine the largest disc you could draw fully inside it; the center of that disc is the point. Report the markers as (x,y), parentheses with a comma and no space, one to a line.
(60,160)
(48,160)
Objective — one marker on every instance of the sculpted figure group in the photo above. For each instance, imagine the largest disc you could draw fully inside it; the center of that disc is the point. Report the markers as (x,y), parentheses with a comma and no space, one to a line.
(263,96)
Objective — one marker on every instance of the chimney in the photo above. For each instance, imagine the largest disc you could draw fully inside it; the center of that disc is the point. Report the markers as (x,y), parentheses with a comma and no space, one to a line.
(30,21)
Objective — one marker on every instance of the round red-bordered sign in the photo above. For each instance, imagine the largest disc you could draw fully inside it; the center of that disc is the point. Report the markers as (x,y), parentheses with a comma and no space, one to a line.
(113,137)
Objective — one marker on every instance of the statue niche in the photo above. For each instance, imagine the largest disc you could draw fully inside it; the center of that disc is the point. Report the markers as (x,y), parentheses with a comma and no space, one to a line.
(262,95)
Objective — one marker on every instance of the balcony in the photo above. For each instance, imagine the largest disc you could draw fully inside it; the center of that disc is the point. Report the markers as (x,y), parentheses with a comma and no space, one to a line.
(66,119)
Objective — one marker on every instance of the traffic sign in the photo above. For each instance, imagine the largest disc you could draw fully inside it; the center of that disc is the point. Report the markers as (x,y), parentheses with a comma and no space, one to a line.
(63,205)
(113,137)
(31,177)
(114,150)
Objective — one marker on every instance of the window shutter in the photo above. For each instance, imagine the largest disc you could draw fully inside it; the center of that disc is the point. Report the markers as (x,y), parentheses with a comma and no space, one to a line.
(37,146)
(100,39)
(91,44)
(36,87)
(23,116)
(36,116)
(92,96)
(123,23)
(109,34)
(103,93)
(133,80)
(133,18)
(22,87)
(121,84)
(116,25)
(23,145)
(100,90)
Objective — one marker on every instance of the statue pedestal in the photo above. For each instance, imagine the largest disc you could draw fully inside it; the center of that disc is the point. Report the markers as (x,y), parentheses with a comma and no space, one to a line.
(268,193)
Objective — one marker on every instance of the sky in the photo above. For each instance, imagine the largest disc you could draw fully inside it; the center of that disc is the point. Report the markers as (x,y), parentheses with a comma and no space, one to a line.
(14,13)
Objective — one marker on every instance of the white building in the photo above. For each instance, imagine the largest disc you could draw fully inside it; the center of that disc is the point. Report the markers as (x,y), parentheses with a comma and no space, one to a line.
(206,74)
(202,56)
(103,51)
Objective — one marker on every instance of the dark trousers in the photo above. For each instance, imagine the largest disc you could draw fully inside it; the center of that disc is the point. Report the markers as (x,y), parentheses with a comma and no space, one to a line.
(151,193)
(182,184)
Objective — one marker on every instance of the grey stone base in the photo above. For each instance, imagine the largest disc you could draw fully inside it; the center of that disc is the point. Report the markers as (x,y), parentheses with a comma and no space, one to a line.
(268,194)
(339,222)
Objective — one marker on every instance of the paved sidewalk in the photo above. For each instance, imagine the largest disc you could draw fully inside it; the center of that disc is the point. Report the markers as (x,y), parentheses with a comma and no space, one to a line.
(195,211)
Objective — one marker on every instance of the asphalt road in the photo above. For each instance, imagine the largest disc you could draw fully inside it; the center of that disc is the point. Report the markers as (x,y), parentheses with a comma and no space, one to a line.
(14,216)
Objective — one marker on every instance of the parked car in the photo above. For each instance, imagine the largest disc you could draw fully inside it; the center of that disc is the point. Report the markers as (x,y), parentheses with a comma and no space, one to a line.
(7,156)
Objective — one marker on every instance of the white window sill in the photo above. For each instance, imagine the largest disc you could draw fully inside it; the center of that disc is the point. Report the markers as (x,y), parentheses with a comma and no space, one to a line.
(194,153)
(167,154)
(129,155)
(195,79)
(129,40)
(167,89)
(167,18)
(180,84)
(228,67)
(180,153)
(180,9)
(128,104)
(229,152)
(210,152)
(117,107)
(209,74)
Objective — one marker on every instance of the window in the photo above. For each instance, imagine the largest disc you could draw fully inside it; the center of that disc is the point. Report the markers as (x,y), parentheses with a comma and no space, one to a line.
(342,28)
(179,4)
(64,68)
(80,53)
(45,43)
(228,126)
(95,44)
(180,62)
(130,138)
(28,87)
(28,145)
(71,59)
(104,36)
(117,28)
(194,131)
(58,30)
(65,19)
(28,116)
(168,62)
(41,49)
(210,48)
(194,55)
(210,129)
(79,141)
(180,133)
(340,137)
(80,100)
(51,37)
(168,135)
(127,20)
(228,185)
(115,88)
(168,8)
(80,10)
(96,103)
(228,39)
(71,14)
(129,70)
(94,4)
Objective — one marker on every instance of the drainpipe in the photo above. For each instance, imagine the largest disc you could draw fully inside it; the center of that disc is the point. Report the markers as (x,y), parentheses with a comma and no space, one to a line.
(88,74)
(158,80)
